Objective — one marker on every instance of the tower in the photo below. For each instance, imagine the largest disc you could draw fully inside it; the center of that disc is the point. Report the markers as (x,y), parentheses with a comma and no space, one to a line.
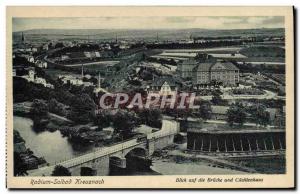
(31,73)
(23,38)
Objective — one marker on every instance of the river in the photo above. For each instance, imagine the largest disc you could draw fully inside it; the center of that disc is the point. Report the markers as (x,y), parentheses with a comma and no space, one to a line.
(54,147)
(50,145)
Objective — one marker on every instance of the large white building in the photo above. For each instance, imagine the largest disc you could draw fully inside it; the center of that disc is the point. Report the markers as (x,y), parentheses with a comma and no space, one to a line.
(207,70)
(222,72)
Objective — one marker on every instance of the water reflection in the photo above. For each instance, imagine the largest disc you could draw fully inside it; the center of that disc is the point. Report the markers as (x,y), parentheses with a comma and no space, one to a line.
(50,145)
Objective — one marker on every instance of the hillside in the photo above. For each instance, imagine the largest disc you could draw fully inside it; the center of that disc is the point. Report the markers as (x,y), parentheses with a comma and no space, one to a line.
(148,33)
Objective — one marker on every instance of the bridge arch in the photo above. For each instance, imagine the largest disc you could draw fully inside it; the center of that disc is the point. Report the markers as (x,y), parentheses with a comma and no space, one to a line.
(137,159)
(137,151)
(87,171)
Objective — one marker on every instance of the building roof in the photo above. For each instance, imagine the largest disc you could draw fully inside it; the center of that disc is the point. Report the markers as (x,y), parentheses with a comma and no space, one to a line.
(159,81)
(189,61)
(203,66)
(207,66)
(227,65)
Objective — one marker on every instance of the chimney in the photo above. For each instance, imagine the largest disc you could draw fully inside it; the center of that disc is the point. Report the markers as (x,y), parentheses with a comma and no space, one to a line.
(99,81)
(23,38)
(81,71)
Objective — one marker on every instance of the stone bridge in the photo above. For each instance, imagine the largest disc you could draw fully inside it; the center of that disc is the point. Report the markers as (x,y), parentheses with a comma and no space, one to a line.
(98,162)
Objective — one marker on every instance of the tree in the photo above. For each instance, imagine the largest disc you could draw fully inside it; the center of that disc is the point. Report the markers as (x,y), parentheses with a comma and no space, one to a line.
(82,109)
(260,115)
(20,168)
(56,107)
(59,45)
(236,114)
(39,109)
(151,117)
(102,119)
(205,111)
(17,137)
(124,122)
(217,99)
(60,171)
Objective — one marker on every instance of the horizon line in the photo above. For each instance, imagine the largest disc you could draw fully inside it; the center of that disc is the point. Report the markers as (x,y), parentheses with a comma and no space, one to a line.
(152,29)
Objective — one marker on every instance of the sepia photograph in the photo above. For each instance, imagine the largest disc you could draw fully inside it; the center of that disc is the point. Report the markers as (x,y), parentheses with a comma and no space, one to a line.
(193,97)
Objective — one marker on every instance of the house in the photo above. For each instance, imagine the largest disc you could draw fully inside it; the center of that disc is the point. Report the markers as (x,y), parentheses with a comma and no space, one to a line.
(45,47)
(34,49)
(42,81)
(38,80)
(41,64)
(87,84)
(163,86)
(75,81)
(29,58)
(30,76)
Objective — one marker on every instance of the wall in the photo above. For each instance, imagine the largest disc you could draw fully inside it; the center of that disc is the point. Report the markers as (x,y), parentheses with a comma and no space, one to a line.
(162,142)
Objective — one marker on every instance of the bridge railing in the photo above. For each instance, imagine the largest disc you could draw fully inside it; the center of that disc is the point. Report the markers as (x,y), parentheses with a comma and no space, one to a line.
(120,146)
(98,153)
(128,142)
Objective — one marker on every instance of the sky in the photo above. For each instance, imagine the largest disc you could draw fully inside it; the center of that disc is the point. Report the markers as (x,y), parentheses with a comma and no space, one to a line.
(238,22)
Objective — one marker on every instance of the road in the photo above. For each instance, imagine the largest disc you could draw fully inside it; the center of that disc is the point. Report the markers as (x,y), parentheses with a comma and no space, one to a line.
(93,63)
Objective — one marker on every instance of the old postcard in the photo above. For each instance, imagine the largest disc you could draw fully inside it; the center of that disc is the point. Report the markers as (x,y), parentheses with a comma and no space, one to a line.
(150,97)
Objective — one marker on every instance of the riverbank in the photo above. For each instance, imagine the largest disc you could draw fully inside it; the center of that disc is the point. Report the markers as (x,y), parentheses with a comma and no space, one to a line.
(174,157)
(24,158)
(179,165)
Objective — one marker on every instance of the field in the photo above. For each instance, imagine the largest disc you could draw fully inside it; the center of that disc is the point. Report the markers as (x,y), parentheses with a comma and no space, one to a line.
(263,51)
(212,50)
